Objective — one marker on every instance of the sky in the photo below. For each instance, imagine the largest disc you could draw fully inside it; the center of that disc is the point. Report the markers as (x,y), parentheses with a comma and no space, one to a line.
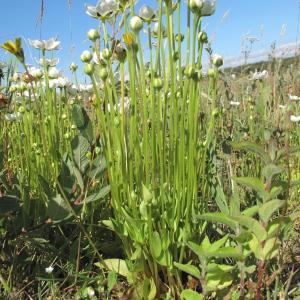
(267,20)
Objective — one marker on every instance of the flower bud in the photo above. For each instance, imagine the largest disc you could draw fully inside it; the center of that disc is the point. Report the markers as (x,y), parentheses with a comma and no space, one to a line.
(93,35)
(195,5)
(88,69)
(86,56)
(217,60)
(73,67)
(212,73)
(179,37)
(106,53)
(103,73)
(136,24)
(189,71)
(202,37)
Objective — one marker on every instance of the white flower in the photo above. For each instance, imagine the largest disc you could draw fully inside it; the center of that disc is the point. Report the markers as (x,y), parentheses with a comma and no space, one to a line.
(13,117)
(63,82)
(54,73)
(260,75)
(49,62)
(294,98)
(103,9)
(156,30)
(208,8)
(35,72)
(235,103)
(294,118)
(51,44)
(147,13)
(53,84)
(72,89)
(49,270)
(282,106)
(86,87)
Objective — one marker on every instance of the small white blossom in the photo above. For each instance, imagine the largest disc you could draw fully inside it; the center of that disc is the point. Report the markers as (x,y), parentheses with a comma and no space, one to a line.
(48,62)
(294,98)
(54,73)
(103,9)
(282,106)
(235,103)
(260,75)
(147,13)
(35,72)
(294,118)
(49,270)
(51,44)
(208,8)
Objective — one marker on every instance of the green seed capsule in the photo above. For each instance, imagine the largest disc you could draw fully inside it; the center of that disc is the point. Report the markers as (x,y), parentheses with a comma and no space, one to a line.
(158,83)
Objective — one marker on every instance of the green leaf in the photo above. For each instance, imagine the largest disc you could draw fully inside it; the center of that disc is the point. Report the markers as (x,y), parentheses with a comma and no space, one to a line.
(254,148)
(253,183)
(155,244)
(189,269)
(255,247)
(269,208)
(9,204)
(251,211)
(221,200)
(46,187)
(99,195)
(65,178)
(147,195)
(217,244)
(111,280)
(197,249)
(190,295)
(80,147)
(270,170)
(219,217)
(253,225)
(115,264)
(58,209)
(225,252)
(83,122)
